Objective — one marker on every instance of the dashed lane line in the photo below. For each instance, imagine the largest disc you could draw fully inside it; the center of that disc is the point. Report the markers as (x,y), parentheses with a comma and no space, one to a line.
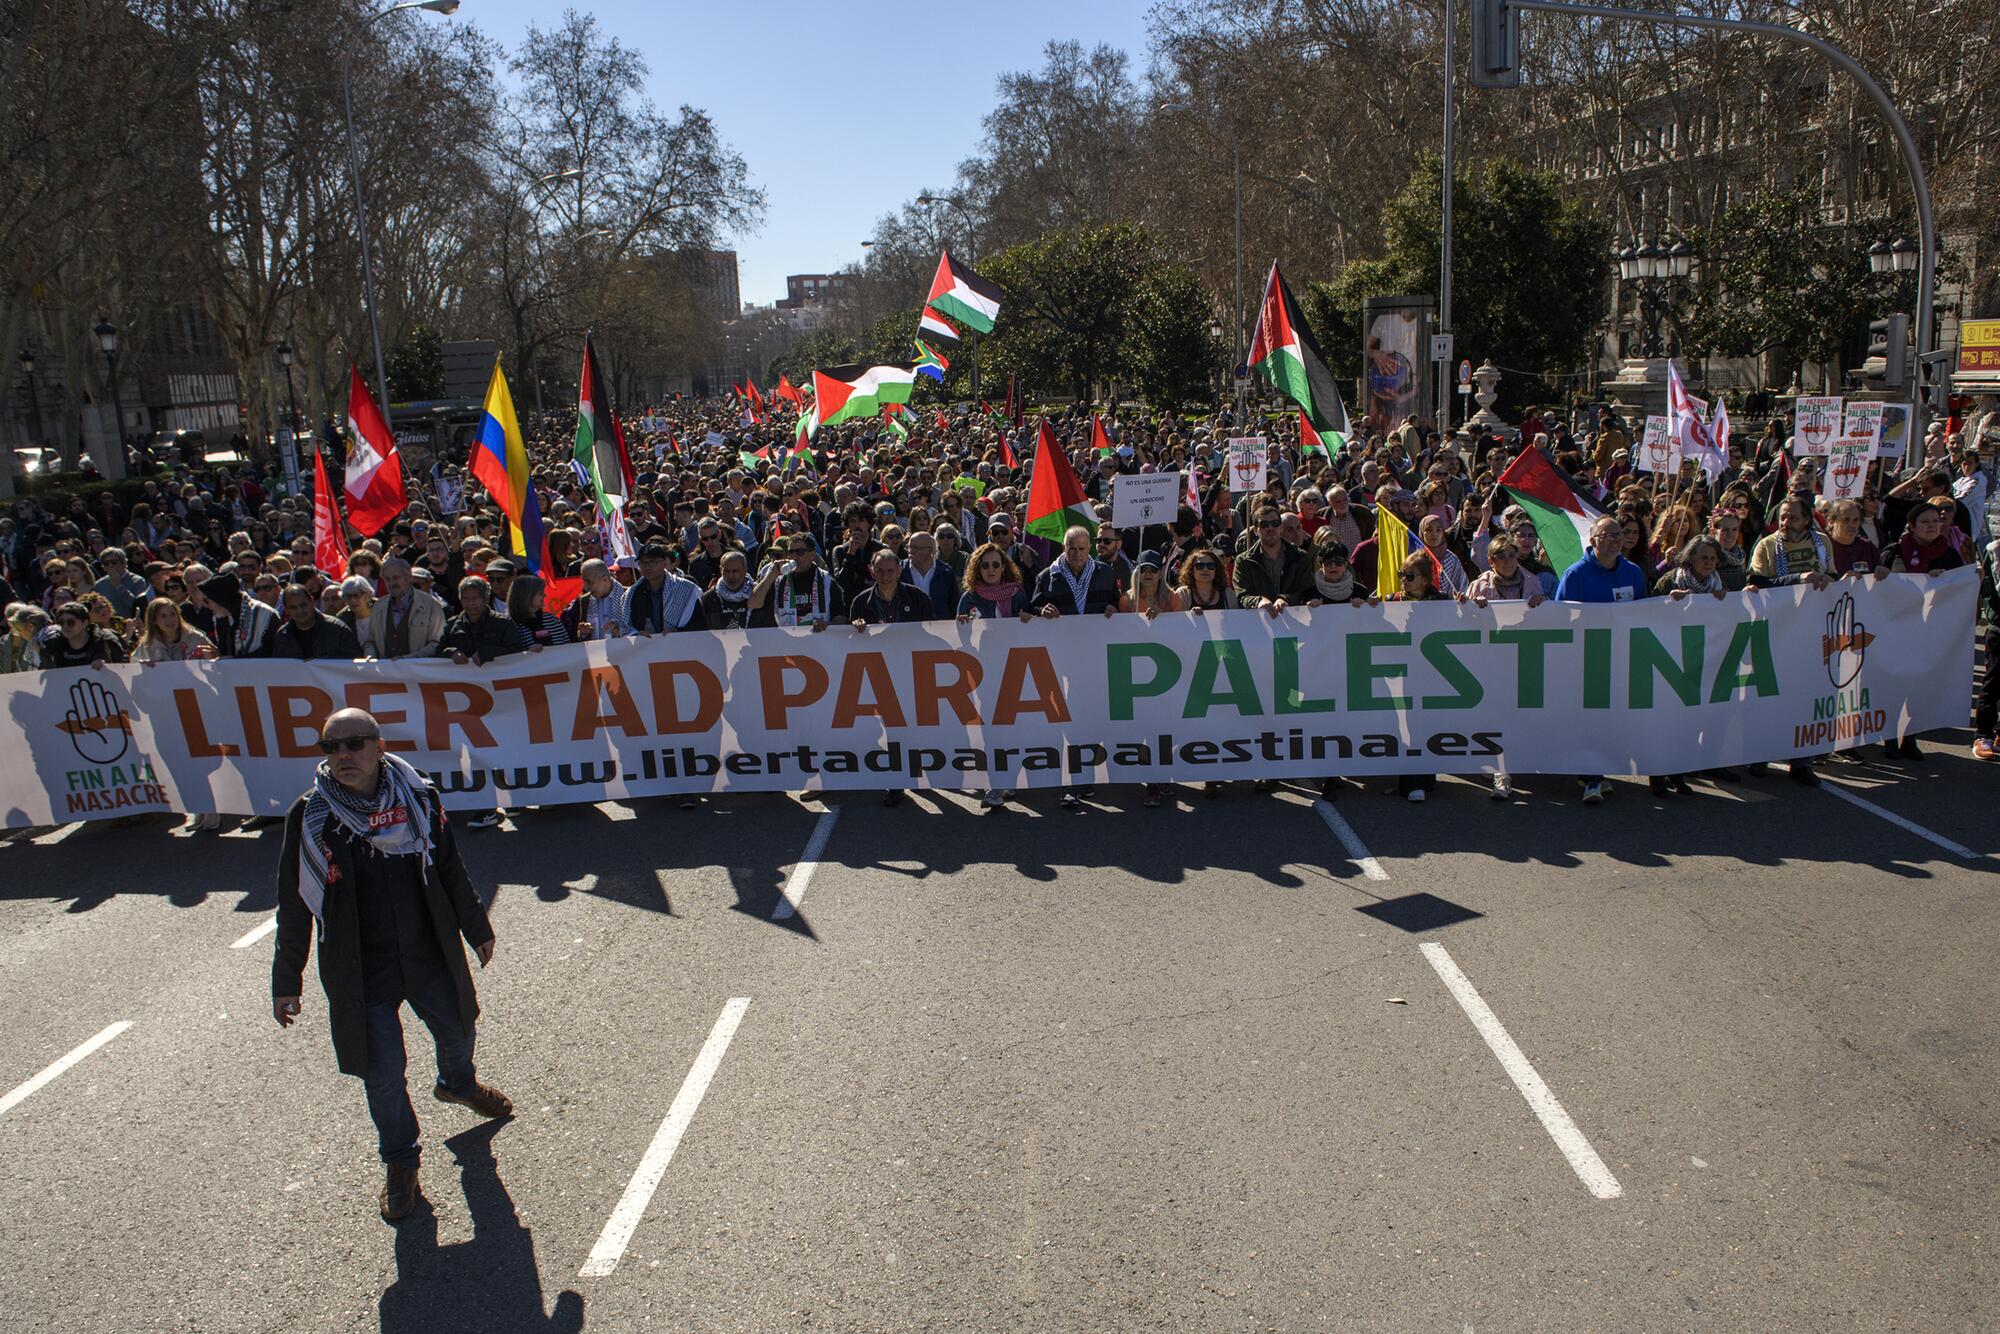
(22,1092)
(624,1220)
(795,883)
(1357,851)
(1583,1159)
(1958,850)
(256,933)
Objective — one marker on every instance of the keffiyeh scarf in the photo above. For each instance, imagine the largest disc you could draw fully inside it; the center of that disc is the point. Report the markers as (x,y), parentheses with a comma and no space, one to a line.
(394,822)
(1079,584)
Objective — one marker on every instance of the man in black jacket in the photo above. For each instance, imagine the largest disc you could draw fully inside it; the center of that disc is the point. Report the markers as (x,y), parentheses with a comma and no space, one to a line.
(1273,573)
(478,633)
(369,857)
(306,635)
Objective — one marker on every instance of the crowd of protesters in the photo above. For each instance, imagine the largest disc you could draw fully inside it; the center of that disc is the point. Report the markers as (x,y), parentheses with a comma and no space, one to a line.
(729,531)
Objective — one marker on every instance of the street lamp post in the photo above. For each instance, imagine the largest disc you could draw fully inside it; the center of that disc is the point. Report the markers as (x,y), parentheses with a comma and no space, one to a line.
(971,257)
(360,204)
(34,399)
(114,455)
(285,359)
(1654,270)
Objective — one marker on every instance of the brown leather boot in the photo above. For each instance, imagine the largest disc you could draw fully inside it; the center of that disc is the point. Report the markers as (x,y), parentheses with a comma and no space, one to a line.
(488,1101)
(399,1193)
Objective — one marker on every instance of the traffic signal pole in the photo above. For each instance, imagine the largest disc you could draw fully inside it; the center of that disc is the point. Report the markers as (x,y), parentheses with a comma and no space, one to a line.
(1496,36)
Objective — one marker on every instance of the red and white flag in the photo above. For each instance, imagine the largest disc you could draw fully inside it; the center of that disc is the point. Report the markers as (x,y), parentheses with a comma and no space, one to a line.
(1687,434)
(1193,487)
(329,542)
(374,482)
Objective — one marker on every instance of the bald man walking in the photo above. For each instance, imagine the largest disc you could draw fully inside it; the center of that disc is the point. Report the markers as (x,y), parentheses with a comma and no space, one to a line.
(370,868)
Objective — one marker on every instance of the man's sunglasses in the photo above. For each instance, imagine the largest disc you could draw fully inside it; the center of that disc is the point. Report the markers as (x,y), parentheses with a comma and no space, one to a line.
(1269,523)
(330,744)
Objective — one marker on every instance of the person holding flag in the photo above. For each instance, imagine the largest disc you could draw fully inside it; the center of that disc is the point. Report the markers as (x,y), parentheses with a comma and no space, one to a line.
(500,463)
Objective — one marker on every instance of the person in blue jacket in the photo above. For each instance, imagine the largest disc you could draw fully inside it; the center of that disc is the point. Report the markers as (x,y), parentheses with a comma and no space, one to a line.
(1603,575)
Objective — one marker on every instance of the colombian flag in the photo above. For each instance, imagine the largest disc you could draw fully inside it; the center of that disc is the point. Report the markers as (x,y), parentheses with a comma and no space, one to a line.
(500,462)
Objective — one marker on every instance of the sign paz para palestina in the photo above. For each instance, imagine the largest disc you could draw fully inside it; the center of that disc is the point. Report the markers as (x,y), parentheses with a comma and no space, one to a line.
(1652,687)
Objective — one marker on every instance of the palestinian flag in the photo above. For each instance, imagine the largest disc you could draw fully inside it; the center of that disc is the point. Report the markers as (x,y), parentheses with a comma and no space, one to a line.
(802,437)
(1283,351)
(934,327)
(963,295)
(1007,459)
(844,392)
(752,458)
(1100,442)
(931,362)
(1562,518)
(1055,498)
(1311,442)
(600,457)
(890,419)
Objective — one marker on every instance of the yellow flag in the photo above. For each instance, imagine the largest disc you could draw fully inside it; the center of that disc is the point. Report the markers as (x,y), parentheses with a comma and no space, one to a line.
(1392,548)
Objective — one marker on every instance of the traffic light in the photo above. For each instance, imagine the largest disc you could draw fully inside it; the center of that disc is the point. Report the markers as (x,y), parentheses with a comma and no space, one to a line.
(1496,44)
(1889,344)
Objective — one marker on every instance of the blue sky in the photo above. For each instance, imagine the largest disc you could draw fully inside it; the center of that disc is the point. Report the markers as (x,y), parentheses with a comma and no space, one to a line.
(915,80)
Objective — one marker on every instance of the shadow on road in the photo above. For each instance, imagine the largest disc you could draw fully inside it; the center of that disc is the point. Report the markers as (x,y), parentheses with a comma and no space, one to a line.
(489,1284)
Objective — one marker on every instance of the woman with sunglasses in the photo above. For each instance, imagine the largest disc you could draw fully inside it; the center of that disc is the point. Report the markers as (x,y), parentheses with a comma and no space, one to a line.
(74,642)
(993,587)
(164,637)
(1204,585)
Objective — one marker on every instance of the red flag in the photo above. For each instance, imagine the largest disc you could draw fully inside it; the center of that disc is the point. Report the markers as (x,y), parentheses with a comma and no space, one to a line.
(374,483)
(789,391)
(942,424)
(1099,441)
(329,543)
(756,401)
(1007,455)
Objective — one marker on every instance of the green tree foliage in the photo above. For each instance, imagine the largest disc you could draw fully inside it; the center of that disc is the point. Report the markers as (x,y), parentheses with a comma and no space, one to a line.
(1773,275)
(1170,357)
(1064,302)
(1529,269)
(416,367)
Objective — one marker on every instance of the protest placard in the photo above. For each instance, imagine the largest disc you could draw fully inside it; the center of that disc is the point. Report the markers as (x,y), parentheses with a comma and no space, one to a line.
(1816,425)
(1249,463)
(1138,499)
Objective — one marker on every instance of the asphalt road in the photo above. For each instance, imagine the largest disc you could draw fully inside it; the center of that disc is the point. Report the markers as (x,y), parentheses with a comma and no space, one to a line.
(1190,1068)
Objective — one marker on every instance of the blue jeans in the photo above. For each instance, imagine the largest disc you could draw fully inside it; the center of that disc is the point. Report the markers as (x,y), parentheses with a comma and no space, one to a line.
(435,999)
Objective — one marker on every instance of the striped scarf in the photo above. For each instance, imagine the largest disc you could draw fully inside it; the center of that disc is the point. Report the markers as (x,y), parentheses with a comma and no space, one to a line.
(394,822)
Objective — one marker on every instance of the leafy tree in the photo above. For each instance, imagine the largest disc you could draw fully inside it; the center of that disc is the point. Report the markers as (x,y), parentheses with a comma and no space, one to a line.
(1774,275)
(416,366)
(1170,357)
(1528,274)
(1064,301)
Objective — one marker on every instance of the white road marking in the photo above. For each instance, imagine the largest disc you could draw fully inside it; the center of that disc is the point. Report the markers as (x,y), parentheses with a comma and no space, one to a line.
(22,1092)
(1356,849)
(256,934)
(1955,849)
(624,1220)
(56,835)
(801,876)
(1583,1159)
(613,811)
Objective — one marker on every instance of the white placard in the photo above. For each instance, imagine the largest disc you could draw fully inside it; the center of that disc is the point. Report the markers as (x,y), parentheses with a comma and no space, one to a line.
(1895,441)
(1138,499)
(1249,463)
(1816,426)
(1656,448)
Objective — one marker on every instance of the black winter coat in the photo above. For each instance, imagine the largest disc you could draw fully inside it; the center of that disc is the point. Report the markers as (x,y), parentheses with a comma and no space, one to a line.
(455,914)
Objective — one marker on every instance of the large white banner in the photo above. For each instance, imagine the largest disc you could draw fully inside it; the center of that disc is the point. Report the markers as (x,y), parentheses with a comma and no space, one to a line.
(1652,687)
